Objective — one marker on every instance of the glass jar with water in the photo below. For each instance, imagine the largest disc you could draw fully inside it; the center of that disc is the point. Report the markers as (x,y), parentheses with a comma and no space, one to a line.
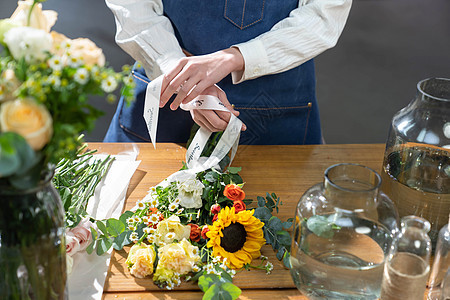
(343,231)
(416,167)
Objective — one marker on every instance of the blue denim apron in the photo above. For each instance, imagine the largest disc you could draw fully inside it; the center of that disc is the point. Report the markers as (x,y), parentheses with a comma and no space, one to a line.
(277,109)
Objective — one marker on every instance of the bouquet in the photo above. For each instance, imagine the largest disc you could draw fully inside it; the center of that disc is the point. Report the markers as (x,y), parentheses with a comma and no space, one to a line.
(45,81)
(200,229)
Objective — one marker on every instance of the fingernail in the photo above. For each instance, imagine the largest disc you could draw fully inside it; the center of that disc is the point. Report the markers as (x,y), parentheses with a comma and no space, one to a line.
(245,127)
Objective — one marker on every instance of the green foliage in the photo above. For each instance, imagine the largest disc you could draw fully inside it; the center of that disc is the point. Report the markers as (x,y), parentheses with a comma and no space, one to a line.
(218,287)
(273,229)
(321,226)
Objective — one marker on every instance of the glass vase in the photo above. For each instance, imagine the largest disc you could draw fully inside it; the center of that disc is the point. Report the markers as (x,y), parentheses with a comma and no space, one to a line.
(416,167)
(343,230)
(32,243)
(408,264)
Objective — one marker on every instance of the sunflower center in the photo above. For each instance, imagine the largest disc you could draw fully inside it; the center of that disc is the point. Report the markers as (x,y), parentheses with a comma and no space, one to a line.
(234,237)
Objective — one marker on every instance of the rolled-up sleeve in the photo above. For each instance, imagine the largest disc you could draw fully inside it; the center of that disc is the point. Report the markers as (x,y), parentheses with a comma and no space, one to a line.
(146,34)
(310,29)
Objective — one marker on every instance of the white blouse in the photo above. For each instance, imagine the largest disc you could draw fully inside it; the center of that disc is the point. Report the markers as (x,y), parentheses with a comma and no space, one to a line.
(148,36)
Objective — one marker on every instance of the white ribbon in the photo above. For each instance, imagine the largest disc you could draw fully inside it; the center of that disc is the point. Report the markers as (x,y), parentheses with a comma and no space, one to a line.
(228,141)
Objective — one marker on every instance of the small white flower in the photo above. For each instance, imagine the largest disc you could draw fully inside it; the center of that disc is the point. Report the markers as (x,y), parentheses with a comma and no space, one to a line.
(210,269)
(54,81)
(180,211)
(177,281)
(145,219)
(154,203)
(56,63)
(264,257)
(269,267)
(154,218)
(109,84)
(146,230)
(170,285)
(232,272)
(134,237)
(196,268)
(66,44)
(177,201)
(216,259)
(170,236)
(151,238)
(130,221)
(137,219)
(131,227)
(73,61)
(172,206)
(81,76)
(195,250)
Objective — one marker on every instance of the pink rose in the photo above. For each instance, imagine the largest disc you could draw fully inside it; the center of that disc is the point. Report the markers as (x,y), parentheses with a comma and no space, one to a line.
(79,238)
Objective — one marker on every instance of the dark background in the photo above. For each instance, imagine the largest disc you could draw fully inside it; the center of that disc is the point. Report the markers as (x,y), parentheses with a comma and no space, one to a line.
(387,47)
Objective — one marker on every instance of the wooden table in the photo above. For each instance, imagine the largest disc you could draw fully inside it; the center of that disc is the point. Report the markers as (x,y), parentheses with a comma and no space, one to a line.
(285,170)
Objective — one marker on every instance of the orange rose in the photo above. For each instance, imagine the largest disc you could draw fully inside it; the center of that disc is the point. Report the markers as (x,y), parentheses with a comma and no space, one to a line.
(204,231)
(234,192)
(195,233)
(239,205)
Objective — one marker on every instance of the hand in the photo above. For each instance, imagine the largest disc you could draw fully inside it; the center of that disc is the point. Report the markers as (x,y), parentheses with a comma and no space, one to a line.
(215,120)
(192,75)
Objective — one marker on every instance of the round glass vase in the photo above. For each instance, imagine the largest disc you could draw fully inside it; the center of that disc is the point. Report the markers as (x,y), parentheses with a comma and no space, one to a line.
(416,167)
(343,231)
(32,243)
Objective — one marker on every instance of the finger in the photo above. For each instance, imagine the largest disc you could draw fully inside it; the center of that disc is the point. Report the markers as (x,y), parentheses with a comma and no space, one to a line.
(224,99)
(183,92)
(226,117)
(196,91)
(171,81)
(202,121)
(214,120)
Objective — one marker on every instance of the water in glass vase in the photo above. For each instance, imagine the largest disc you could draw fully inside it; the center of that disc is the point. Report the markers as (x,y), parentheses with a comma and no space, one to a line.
(417,179)
(347,264)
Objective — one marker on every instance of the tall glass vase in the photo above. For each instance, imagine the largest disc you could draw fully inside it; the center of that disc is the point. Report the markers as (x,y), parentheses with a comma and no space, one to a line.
(32,243)
(343,231)
(416,167)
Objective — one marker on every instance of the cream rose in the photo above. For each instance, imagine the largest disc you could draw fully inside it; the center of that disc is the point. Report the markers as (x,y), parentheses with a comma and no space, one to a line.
(29,119)
(86,50)
(171,229)
(140,260)
(40,19)
(178,257)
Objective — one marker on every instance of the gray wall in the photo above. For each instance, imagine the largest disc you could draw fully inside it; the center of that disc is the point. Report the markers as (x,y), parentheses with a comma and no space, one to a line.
(386,48)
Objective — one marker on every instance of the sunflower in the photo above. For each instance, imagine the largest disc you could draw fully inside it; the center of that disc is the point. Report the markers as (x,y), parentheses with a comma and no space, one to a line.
(238,237)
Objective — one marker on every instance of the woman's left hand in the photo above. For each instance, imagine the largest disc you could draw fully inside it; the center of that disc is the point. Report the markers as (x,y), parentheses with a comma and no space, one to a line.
(215,120)
(192,75)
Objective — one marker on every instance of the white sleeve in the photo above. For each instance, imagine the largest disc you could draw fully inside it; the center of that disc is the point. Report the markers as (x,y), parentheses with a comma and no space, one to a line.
(146,34)
(310,29)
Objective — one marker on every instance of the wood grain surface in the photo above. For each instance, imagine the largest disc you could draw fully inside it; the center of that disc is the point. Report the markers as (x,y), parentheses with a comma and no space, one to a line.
(287,171)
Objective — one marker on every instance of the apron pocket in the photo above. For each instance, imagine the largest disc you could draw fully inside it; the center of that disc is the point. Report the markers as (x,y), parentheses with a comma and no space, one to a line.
(243,13)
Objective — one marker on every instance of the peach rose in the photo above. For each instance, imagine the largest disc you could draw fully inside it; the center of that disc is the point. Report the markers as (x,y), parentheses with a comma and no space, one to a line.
(234,192)
(87,50)
(29,119)
(239,205)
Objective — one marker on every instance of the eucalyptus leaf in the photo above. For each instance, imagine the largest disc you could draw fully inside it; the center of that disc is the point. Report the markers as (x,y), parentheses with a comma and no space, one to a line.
(262,213)
(261,201)
(284,238)
(211,176)
(320,226)
(102,227)
(103,245)
(280,253)
(122,240)
(287,259)
(234,170)
(275,223)
(114,227)
(207,280)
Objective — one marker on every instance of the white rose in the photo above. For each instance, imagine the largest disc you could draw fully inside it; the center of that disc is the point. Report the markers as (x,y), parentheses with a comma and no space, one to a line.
(29,119)
(40,19)
(86,50)
(190,193)
(30,43)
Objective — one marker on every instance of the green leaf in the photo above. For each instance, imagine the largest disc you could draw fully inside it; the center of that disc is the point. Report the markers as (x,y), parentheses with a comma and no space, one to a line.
(103,245)
(234,170)
(207,280)
(233,290)
(262,213)
(122,240)
(123,218)
(102,227)
(280,253)
(320,226)
(261,201)
(275,224)
(16,157)
(91,247)
(115,227)
(287,224)
(287,259)
(211,176)
(94,233)
(284,238)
